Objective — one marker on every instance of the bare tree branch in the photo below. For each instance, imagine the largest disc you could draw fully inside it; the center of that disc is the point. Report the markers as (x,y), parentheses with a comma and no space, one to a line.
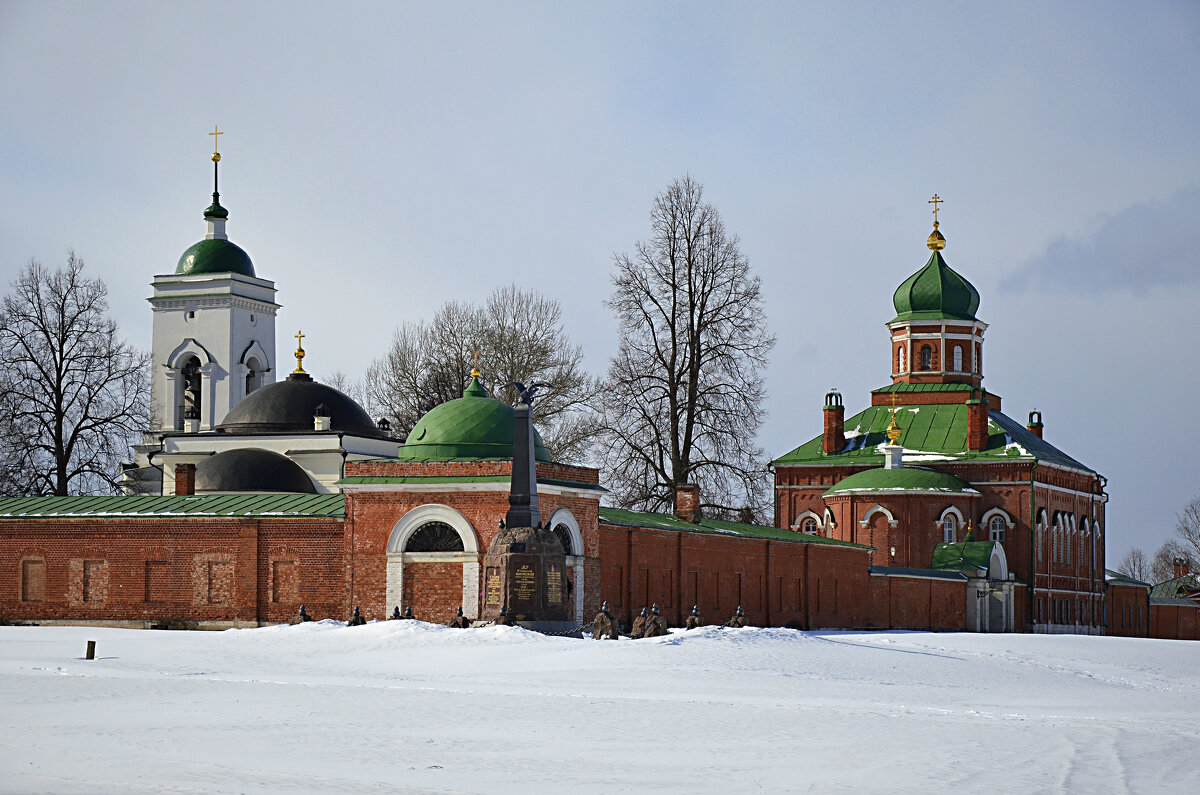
(73,394)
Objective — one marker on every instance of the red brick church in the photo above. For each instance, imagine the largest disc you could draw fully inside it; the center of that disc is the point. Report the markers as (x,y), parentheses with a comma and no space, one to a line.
(931,509)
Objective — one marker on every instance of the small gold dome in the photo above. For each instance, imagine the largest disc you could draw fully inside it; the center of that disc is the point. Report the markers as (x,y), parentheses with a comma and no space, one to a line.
(216,158)
(935,241)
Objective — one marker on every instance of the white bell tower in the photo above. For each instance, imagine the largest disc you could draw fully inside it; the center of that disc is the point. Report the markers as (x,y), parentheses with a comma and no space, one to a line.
(214,329)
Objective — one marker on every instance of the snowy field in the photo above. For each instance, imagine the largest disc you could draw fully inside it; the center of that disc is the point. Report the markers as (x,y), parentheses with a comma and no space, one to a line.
(408,706)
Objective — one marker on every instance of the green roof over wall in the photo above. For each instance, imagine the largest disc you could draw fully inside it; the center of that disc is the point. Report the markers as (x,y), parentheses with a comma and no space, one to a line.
(1117,578)
(963,556)
(935,292)
(201,505)
(914,479)
(1176,588)
(930,434)
(215,256)
(661,521)
(471,428)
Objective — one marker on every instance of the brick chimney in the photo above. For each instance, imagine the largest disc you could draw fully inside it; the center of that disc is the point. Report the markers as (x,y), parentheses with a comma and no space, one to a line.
(1181,567)
(977,421)
(1035,423)
(687,503)
(834,439)
(185,479)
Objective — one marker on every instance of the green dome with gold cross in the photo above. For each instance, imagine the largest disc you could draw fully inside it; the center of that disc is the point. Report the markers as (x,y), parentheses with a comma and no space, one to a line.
(936,291)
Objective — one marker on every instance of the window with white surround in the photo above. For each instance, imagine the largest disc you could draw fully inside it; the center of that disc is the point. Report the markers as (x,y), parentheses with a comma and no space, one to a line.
(958,358)
(996,527)
(810,525)
(949,528)
(901,369)
(926,357)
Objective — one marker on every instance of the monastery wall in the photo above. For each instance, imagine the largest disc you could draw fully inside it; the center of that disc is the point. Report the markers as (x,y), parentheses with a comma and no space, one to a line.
(918,603)
(191,571)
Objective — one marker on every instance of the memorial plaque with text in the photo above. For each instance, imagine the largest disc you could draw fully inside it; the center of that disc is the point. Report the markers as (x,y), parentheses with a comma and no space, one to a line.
(493,589)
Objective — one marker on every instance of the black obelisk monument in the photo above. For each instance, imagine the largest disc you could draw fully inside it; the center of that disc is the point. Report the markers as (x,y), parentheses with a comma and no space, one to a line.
(525,567)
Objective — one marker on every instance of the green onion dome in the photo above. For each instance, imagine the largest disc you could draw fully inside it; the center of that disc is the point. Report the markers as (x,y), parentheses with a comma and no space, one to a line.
(936,292)
(471,428)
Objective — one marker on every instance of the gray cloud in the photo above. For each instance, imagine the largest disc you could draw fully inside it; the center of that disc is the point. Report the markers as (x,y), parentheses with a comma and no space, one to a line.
(1141,248)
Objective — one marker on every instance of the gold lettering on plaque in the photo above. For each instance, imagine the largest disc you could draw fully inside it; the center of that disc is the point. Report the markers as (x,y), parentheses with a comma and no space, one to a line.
(525,581)
(554,585)
(493,593)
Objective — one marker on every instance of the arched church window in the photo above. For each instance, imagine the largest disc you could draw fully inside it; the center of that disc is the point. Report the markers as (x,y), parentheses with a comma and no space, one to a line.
(950,528)
(564,537)
(434,537)
(958,359)
(996,529)
(253,375)
(926,357)
(191,388)
(900,369)
(810,526)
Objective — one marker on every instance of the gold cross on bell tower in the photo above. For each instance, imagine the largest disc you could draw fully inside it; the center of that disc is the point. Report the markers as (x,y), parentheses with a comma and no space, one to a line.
(216,156)
(475,367)
(935,201)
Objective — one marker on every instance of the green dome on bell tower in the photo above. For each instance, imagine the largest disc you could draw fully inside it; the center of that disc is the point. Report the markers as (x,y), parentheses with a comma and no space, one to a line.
(215,253)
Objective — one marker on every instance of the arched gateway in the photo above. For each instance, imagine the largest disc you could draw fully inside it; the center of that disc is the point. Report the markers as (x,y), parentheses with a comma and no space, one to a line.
(423,560)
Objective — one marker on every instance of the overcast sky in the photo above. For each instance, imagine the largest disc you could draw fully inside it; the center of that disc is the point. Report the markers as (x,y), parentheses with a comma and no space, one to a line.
(381,159)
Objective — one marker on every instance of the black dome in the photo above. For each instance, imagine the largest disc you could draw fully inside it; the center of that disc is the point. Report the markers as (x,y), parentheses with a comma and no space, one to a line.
(251,469)
(290,405)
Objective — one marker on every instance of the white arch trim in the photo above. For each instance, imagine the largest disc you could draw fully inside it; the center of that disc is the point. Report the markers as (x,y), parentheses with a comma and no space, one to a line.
(798,525)
(564,516)
(866,520)
(411,521)
(1009,522)
(830,521)
(998,563)
(189,347)
(951,511)
(408,524)
(254,350)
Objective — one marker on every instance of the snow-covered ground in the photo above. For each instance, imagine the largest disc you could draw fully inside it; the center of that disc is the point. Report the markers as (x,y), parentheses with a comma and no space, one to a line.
(405,705)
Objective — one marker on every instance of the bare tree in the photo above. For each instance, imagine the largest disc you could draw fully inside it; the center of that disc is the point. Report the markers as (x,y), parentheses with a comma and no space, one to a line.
(683,398)
(519,336)
(1162,567)
(74,394)
(1187,528)
(1135,565)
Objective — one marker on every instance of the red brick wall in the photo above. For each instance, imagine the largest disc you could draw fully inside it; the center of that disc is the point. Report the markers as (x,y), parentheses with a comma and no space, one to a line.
(777,584)
(433,590)
(157,570)
(918,603)
(1128,608)
(1174,622)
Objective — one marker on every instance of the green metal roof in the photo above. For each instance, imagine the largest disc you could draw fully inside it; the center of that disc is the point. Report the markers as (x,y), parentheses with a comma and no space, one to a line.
(1179,587)
(1117,578)
(360,480)
(472,428)
(906,387)
(963,556)
(215,256)
(916,479)
(935,292)
(660,521)
(931,434)
(332,505)
(904,571)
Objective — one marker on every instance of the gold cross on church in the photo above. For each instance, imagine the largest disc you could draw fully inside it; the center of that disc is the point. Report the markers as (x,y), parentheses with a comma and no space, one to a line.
(299,353)
(935,201)
(475,368)
(214,134)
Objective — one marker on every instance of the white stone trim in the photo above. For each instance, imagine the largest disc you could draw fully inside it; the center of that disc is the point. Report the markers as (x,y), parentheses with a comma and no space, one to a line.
(189,347)
(564,516)
(866,520)
(940,524)
(986,519)
(798,524)
(435,512)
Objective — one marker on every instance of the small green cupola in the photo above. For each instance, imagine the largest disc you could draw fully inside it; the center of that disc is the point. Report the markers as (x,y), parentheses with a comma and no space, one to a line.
(215,253)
